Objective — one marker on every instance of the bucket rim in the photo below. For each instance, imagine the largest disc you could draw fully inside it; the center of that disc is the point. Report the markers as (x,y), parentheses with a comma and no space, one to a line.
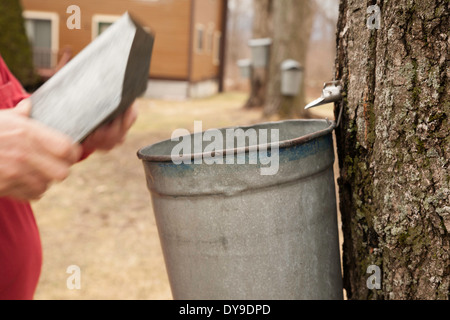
(281,144)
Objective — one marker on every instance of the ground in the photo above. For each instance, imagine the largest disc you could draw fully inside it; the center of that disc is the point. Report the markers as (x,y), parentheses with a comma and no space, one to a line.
(101,220)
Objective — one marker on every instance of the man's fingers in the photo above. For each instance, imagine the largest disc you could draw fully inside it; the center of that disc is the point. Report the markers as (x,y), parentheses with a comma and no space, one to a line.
(23,108)
(57,144)
(108,136)
(49,168)
(129,118)
(111,134)
(50,140)
(32,155)
(31,188)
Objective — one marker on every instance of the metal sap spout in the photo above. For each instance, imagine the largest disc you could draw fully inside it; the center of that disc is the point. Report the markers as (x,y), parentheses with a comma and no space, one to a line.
(332,92)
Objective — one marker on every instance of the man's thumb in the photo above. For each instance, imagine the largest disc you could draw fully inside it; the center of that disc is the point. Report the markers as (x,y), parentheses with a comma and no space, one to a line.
(23,108)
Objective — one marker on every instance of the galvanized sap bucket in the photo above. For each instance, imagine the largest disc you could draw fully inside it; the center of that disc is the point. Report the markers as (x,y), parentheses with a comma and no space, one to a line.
(229,232)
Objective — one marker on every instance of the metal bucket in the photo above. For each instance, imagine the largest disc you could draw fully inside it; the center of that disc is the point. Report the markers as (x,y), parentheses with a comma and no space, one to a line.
(229,233)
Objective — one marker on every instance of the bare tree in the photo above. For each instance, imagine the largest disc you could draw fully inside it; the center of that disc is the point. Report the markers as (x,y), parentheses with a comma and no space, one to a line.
(292,24)
(262,28)
(320,60)
(238,34)
(394,149)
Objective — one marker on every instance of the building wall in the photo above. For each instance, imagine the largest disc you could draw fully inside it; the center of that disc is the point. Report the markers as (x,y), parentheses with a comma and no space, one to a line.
(208,16)
(170,20)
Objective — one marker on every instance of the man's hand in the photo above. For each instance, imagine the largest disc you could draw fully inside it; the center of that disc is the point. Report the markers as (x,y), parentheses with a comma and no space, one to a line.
(31,155)
(110,135)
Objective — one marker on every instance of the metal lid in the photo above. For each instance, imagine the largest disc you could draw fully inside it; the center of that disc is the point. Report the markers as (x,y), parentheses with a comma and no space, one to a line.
(260,42)
(291,65)
(244,63)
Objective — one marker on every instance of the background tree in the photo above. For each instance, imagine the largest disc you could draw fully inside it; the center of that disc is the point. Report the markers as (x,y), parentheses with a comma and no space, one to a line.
(239,25)
(394,149)
(292,25)
(14,45)
(262,28)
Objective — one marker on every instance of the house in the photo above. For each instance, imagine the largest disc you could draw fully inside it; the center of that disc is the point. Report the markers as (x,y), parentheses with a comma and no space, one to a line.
(188,56)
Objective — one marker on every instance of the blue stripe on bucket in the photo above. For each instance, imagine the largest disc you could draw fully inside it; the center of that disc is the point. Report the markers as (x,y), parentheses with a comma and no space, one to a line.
(307,149)
(288,154)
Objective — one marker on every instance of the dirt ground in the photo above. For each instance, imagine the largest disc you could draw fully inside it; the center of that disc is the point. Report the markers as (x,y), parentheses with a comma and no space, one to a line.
(100,219)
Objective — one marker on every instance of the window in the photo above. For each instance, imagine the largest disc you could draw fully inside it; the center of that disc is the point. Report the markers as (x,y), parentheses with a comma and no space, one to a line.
(42,31)
(217,47)
(102,22)
(102,26)
(199,38)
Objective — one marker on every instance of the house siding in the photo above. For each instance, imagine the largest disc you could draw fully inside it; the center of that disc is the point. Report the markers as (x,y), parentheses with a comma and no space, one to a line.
(207,13)
(169,20)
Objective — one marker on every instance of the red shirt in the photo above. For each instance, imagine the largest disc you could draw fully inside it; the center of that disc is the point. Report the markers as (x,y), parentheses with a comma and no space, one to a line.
(20,245)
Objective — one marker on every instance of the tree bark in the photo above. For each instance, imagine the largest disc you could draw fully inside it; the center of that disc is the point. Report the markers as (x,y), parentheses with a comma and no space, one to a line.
(262,28)
(292,23)
(393,147)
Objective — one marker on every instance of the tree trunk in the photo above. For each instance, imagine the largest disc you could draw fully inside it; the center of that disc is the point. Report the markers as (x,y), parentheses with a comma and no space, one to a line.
(262,28)
(393,147)
(14,45)
(292,23)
